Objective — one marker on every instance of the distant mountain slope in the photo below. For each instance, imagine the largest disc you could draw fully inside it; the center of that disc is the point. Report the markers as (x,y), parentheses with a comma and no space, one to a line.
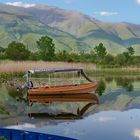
(70,30)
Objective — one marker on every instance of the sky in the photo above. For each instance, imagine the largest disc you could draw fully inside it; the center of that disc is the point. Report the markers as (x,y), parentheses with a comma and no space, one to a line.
(105,10)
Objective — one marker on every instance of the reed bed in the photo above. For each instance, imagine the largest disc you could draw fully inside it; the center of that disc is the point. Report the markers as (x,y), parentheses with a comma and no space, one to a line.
(22,66)
(10,69)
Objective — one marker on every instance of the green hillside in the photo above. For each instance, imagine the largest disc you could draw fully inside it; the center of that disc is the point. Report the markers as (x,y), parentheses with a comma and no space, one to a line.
(70,30)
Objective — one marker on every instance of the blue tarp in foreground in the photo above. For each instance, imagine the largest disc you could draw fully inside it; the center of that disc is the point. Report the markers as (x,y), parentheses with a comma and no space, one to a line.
(11,134)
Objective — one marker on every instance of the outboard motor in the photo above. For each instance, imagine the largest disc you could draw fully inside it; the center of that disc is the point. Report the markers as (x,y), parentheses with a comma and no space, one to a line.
(26,86)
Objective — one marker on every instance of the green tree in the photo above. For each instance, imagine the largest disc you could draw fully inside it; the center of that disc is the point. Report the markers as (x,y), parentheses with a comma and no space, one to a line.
(85,57)
(62,55)
(126,57)
(73,57)
(136,60)
(17,51)
(131,51)
(46,48)
(92,57)
(100,52)
(2,49)
(129,55)
(120,59)
(34,56)
(109,59)
(101,88)
(2,53)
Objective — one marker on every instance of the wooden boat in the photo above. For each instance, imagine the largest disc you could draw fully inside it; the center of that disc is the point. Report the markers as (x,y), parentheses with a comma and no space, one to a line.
(67,89)
(59,89)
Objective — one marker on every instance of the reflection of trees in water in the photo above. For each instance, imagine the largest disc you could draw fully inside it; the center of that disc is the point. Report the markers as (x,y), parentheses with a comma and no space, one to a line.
(108,79)
(101,88)
(126,83)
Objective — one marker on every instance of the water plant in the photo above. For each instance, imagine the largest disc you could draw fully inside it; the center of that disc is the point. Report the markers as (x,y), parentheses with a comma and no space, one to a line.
(2,138)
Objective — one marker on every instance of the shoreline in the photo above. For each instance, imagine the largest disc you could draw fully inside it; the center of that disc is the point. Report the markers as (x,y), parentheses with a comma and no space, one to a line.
(23,66)
(12,69)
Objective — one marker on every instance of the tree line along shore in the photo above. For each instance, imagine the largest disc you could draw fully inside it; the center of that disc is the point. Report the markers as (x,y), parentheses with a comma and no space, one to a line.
(46,51)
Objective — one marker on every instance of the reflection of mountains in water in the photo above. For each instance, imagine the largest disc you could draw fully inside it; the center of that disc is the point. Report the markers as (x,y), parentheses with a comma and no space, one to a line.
(121,93)
(90,100)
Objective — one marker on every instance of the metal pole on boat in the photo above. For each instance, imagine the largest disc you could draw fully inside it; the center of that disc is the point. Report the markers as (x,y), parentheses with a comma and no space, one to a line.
(79,78)
(73,79)
(49,80)
(54,79)
(27,76)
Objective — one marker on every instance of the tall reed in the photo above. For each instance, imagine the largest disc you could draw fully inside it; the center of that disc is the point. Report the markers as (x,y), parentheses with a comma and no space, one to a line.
(22,66)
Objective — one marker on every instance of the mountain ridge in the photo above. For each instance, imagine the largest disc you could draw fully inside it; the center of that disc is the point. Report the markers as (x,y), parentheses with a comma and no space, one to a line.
(71,30)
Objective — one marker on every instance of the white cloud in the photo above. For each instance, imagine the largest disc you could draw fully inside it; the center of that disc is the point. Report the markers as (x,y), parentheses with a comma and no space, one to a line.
(136,133)
(138,1)
(105,119)
(22,126)
(21,4)
(106,13)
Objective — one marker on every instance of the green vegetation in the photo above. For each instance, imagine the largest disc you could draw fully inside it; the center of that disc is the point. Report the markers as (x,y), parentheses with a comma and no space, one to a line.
(100,52)
(17,51)
(2,138)
(2,49)
(46,52)
(3,110)
(101,88)
(9,76)
(46,48)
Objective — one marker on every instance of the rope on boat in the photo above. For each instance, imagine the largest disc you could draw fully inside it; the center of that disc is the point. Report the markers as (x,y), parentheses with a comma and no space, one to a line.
(87,78)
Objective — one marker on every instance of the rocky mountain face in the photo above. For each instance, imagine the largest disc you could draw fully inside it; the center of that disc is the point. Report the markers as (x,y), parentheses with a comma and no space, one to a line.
(71,30)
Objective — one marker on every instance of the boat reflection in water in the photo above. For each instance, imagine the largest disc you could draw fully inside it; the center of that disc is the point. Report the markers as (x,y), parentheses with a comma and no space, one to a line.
(89,99)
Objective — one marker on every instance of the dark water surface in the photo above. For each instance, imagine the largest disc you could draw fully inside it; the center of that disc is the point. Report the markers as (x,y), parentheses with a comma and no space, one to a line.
(115,117)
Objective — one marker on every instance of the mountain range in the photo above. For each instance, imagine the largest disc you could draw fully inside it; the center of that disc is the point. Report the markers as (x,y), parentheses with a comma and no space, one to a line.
(71,30)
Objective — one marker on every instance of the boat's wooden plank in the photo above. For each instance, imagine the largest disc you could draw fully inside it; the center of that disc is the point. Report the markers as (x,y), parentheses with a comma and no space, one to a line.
(83,88)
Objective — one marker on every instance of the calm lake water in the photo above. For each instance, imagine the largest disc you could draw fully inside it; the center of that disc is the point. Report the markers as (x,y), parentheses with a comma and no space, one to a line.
(115,117)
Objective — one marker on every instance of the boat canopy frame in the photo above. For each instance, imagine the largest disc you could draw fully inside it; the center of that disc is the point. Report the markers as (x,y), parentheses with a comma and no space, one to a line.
(55,70)
(49,71)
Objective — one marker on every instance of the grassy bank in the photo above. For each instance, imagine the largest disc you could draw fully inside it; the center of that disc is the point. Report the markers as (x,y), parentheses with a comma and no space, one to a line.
(10,69)
(124,71)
